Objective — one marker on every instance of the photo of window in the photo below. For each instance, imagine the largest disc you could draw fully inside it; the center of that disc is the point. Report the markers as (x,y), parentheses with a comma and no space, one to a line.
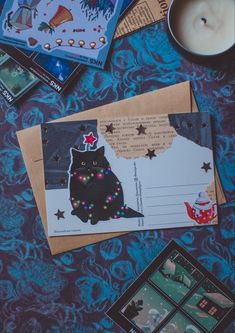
(208,305)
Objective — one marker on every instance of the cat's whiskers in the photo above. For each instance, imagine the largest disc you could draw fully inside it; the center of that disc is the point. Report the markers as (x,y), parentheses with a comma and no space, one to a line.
(79,169)
(99,168)
(93,169)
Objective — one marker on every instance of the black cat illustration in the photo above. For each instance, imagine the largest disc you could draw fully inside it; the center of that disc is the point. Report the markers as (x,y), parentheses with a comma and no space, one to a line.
(95,192)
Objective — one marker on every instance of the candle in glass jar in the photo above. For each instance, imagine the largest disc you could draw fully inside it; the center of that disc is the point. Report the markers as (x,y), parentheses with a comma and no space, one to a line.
(204,27)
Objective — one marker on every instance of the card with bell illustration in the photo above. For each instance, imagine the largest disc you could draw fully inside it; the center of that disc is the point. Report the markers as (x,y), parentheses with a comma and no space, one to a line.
(56,72)
(129,173)
(79,31)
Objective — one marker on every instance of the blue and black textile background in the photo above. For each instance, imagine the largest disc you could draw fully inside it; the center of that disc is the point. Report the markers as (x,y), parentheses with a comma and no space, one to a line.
(69,293)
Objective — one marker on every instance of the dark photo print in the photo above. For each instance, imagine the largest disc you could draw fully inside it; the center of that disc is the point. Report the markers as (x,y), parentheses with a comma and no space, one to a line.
(15,78)
(147,309)
(3,56)
(61,69)
(176,276)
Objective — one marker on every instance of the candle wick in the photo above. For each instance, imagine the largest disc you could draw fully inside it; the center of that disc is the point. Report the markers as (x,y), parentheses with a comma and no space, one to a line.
(204,20)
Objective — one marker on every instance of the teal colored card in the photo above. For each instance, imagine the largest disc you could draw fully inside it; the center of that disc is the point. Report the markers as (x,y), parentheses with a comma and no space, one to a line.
(15,80)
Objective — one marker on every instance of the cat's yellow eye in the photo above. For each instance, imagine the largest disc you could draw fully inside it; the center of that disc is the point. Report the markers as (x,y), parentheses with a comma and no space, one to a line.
(94,162)
(83,163)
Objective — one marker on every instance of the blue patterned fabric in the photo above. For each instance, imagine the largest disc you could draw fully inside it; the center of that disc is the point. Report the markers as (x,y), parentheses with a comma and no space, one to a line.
(69,293)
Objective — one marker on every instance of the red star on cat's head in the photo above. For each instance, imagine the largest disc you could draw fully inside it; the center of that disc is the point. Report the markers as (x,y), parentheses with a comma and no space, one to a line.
(90,139)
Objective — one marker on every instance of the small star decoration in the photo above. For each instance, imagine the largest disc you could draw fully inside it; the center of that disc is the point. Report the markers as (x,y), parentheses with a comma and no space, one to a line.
(44,128)
(89,138)
(110,128)
(206,166)
(177,126)
(45,141)
(151,153)
(59,214)
(63,181)
(141,129)
(82,128)
(56,158)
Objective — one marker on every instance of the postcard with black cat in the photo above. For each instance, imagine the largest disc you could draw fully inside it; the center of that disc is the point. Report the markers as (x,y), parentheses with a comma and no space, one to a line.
(129,173)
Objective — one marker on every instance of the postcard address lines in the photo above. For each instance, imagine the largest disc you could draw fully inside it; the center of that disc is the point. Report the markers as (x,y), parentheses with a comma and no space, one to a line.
(168,201)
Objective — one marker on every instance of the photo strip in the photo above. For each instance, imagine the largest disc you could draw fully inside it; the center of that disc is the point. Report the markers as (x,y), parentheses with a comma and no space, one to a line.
(175,294)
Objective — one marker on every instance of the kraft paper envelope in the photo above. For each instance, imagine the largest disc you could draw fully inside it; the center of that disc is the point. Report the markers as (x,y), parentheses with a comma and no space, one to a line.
(173,99)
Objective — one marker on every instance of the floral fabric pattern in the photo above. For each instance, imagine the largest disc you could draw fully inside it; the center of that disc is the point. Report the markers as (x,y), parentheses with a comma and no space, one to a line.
(70,292)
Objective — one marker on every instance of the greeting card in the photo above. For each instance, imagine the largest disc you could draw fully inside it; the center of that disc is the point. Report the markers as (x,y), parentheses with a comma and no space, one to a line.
(175,294)
(56,72)
(129,173)
(79,31)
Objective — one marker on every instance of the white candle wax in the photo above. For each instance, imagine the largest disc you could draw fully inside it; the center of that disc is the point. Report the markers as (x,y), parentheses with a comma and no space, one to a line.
(205,27)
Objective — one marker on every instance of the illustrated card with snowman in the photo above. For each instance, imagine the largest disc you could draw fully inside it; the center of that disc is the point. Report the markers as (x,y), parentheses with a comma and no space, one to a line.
(129,173)
(76,30)
(174,294)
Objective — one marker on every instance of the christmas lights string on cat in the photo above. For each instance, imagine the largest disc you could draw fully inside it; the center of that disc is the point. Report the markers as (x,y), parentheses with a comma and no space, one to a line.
(95,192)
